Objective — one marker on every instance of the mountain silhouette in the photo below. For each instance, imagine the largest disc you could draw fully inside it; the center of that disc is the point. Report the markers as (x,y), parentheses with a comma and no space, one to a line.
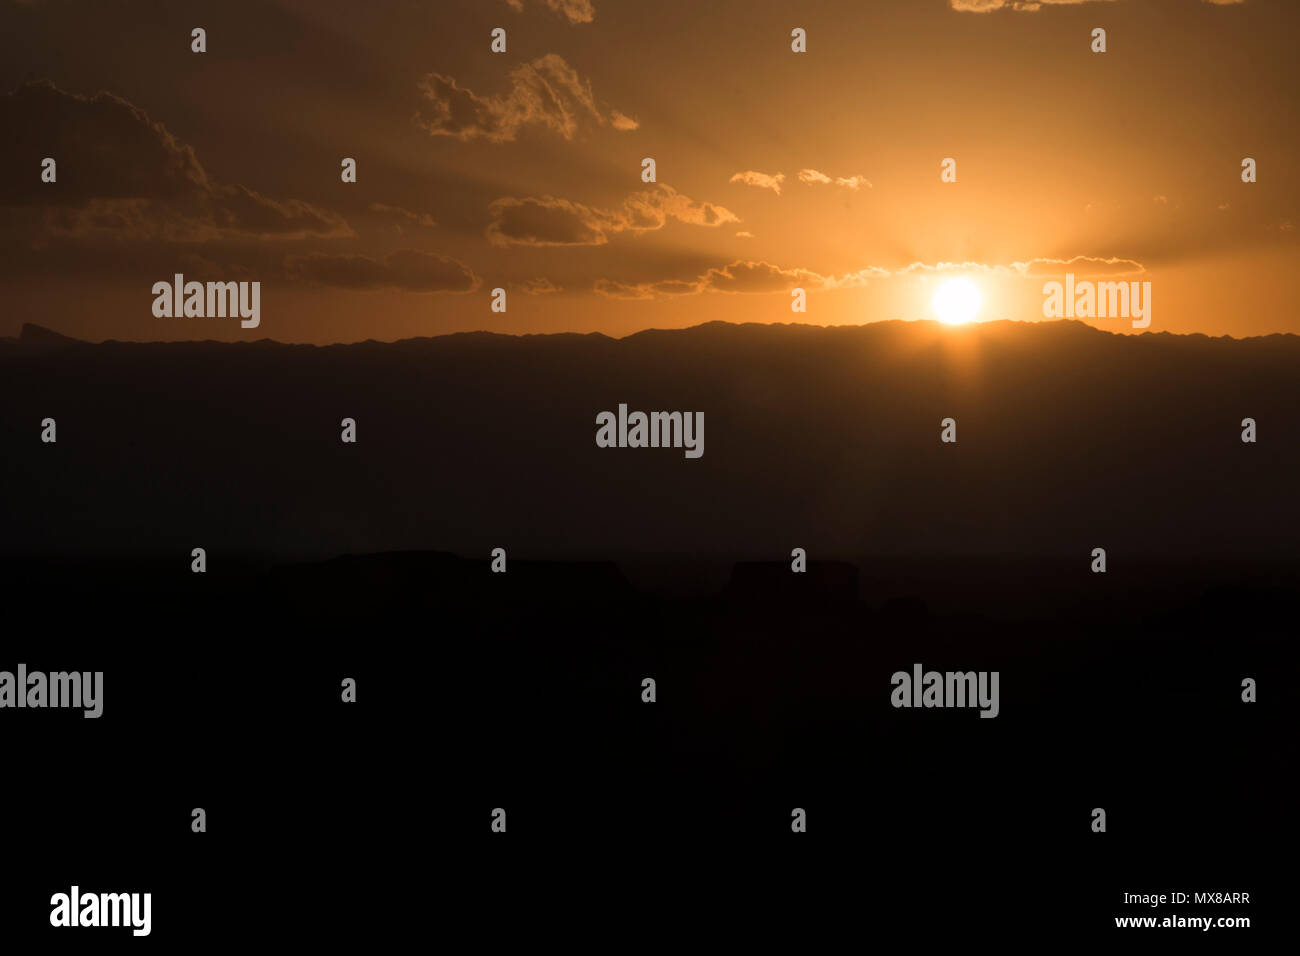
(1069,438)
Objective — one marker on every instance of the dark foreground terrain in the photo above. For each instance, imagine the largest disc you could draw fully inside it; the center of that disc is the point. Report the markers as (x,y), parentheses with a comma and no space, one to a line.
(332,822)
(523,691)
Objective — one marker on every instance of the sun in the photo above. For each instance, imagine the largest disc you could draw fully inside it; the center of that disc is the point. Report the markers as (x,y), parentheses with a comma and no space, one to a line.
(956,301)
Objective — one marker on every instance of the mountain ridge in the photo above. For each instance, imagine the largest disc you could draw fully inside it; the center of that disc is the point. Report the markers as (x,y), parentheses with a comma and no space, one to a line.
(825,438)
(32,333)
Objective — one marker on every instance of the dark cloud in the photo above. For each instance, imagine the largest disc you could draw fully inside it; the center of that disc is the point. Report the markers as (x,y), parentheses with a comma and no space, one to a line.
(544,92)
(415,218)
(758,277)
(124,176)
(105,149)
(539,286)
(548,221)
(409,270)
(544,221)
(745,277)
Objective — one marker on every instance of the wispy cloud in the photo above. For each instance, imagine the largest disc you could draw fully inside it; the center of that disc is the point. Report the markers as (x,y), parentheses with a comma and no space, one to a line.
(415,218)
(742,277)
(809,177)
(550,221)
(575,11)
(1027,6)
(751,177)
(1080,265)
(539,286)
(813,177)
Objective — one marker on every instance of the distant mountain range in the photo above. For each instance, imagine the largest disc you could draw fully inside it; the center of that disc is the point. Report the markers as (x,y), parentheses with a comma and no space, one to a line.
(1068,438)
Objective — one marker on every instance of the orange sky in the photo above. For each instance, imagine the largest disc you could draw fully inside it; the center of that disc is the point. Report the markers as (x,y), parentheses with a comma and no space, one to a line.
(522,169)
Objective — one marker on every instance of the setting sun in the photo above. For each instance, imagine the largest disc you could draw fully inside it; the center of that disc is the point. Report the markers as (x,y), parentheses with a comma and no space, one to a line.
(956,301)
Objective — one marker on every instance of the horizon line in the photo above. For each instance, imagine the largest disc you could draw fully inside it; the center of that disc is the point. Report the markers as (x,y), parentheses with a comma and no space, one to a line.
(45,335)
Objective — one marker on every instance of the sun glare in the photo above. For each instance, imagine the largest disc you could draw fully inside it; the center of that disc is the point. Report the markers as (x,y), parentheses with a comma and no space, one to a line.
(956,301)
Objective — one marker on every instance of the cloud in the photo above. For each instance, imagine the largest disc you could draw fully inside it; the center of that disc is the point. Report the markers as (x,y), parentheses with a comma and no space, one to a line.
(1080,265)
(749,277)
(417,218)
(122,175)
(757,277)
(812,177)
(854,280)
(539,286)
(106,148)
(744,235)
(751,177)
(613,289)
(809,177)
(1028,6)
(409,270)
(622,123)
(544,221)
(576,11)
(742,277)
(543,92)
(550,221)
